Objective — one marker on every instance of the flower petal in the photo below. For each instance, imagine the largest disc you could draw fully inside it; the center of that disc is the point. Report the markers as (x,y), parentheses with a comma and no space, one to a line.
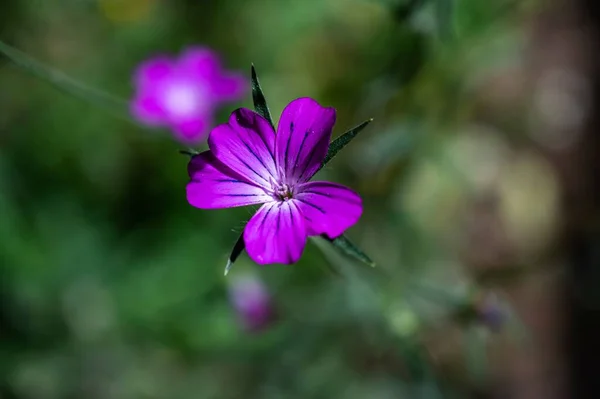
(328,208)
(204,65)
(192,130)
(213,185)
(199,63)
(153,72)
(303,137)
(147,106)
(276,234)
(147,109)
(252,302)
(246,144)
(230,87)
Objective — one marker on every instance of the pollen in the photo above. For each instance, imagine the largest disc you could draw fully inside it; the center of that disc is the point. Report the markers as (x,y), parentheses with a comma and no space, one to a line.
(283,192)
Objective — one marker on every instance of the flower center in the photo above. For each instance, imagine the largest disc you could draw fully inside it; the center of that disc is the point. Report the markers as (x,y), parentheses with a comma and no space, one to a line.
(283,192)
(182,99)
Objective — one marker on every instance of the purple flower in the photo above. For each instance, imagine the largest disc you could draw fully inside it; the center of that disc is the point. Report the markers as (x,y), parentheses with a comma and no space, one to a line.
(251,302)
(491,312)
(249,164)
(182,94)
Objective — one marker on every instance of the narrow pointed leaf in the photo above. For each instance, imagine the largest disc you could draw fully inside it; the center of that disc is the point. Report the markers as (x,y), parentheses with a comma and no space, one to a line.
(343,244)
(258,97)
(65,83)
(339,143)
(238,248)
(189,152)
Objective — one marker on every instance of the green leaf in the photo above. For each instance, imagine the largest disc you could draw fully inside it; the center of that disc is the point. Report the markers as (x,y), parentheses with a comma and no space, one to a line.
(189,152)
(343,244)
(260,103)
(66,84)
(237,250)
(339,143)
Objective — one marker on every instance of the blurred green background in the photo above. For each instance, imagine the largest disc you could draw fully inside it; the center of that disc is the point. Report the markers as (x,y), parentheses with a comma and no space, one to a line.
(112,285)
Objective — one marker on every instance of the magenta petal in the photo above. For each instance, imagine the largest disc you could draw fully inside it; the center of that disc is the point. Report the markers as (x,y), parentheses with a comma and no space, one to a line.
(152,72)
(303,138)
(328,208)
(251,301)
(276,234)
(246,144)
(191,130)
(230,87)
(200,63)
(148,110)
(213,185)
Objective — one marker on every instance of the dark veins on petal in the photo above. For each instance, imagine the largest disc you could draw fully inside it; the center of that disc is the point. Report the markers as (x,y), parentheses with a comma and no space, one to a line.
(318,208)
(287,146)
(289,250)
(278,221)
(301,148)
(242,195)
(340,198)
(312,155)
(252,169)
(228,181)
(251,126)
(254,154)
(262,222)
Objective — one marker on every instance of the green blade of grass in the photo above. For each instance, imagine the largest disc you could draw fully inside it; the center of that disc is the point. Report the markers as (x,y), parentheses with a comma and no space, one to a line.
(342,141)
(237,250)
(343,244)
(66,84)
(258,97)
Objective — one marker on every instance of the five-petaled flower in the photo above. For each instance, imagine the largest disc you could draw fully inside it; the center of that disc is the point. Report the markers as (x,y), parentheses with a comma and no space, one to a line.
(248,163)
(182,94)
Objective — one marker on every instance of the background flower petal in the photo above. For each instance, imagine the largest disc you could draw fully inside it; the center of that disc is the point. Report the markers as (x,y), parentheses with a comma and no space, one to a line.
(213,185)
(246,144)
(303,136)
(199,63)
(328,208)
(251,301)
(276,234)
(148,110)
(191,130)
(152,72)
(230,87)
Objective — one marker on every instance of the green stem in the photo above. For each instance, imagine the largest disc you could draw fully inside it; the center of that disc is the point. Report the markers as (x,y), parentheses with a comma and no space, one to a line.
(66,84)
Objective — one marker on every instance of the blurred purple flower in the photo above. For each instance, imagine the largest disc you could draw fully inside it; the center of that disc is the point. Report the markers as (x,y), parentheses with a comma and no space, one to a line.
(251,301)
(249,164)
(491,312)
(183,93)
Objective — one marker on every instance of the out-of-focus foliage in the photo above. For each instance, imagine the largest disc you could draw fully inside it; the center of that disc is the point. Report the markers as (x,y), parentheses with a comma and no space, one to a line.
(112,285)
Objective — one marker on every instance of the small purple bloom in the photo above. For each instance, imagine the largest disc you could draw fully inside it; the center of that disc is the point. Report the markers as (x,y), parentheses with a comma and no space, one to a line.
(249,164)
(183,93)
(491,312)
(251,301)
